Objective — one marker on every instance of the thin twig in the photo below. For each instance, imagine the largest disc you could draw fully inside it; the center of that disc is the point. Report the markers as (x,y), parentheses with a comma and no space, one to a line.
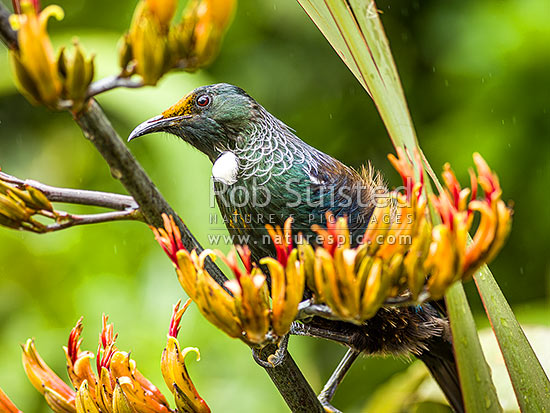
(112,82)
(71,220)
(75,196)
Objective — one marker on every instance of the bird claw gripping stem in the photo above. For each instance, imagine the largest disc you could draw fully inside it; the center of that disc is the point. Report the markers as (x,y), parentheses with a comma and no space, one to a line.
(275,359)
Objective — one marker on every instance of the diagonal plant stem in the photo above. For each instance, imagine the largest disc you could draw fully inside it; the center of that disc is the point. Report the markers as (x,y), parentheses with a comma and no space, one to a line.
(287,376)
(96,127)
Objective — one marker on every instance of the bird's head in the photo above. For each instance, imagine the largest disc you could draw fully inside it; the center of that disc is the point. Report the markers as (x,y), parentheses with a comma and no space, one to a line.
(210,118)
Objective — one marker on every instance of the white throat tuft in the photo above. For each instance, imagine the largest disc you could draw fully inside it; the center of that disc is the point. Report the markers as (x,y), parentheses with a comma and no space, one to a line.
(226,168)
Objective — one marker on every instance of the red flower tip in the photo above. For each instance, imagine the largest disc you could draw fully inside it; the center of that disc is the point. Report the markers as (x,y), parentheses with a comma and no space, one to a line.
(17,6)
(486,178)
(177,313)
(231,261)
(106,339)
(73,347)
(282,240)
(245,254)
(404,165)
(335,234)
(169,237)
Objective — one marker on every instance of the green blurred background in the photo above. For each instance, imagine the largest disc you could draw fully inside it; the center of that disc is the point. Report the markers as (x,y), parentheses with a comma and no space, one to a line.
(476,78)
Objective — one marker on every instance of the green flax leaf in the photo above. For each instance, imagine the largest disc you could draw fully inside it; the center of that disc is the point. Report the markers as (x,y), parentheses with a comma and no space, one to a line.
(475,375)
(354,30)
(528,378)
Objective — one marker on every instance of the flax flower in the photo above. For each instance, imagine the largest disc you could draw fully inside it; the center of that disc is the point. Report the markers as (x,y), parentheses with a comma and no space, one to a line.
(198,37)
(242,309)
(174,371)
(6,405)
(154,45)
(34,63)
(19,204)
(403,253)
(56,82)
(118,386)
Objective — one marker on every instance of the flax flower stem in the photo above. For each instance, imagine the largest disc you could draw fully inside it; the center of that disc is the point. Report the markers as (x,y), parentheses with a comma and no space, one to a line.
(291,383)
(112,82)
(287,377)
(76,196)
(96,127)
(71,220)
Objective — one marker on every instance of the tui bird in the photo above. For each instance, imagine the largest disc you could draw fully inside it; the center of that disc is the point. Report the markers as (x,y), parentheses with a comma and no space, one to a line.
(263,173)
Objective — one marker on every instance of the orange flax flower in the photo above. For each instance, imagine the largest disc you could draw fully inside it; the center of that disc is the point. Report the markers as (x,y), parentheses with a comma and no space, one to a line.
(403,253)
(174,370)
(243,308)
(118,385)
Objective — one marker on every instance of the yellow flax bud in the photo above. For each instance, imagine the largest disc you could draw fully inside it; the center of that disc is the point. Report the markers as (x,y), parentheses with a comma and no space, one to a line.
(78,74)
(163,10)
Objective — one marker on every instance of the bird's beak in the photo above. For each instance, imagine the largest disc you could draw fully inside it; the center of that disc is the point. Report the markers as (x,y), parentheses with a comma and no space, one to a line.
(156,124)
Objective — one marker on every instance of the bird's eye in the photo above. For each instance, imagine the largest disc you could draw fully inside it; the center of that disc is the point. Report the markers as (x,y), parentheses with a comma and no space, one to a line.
(203,100)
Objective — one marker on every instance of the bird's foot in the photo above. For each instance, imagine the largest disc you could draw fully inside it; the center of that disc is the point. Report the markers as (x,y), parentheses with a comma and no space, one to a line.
(275,359)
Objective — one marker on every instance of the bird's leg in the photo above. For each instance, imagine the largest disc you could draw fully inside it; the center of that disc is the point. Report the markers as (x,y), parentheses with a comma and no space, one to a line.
(335,379)
(309,330)
(347,334)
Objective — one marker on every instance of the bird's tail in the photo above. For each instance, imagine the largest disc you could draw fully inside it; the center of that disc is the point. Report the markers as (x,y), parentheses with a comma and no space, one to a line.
(440,360)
